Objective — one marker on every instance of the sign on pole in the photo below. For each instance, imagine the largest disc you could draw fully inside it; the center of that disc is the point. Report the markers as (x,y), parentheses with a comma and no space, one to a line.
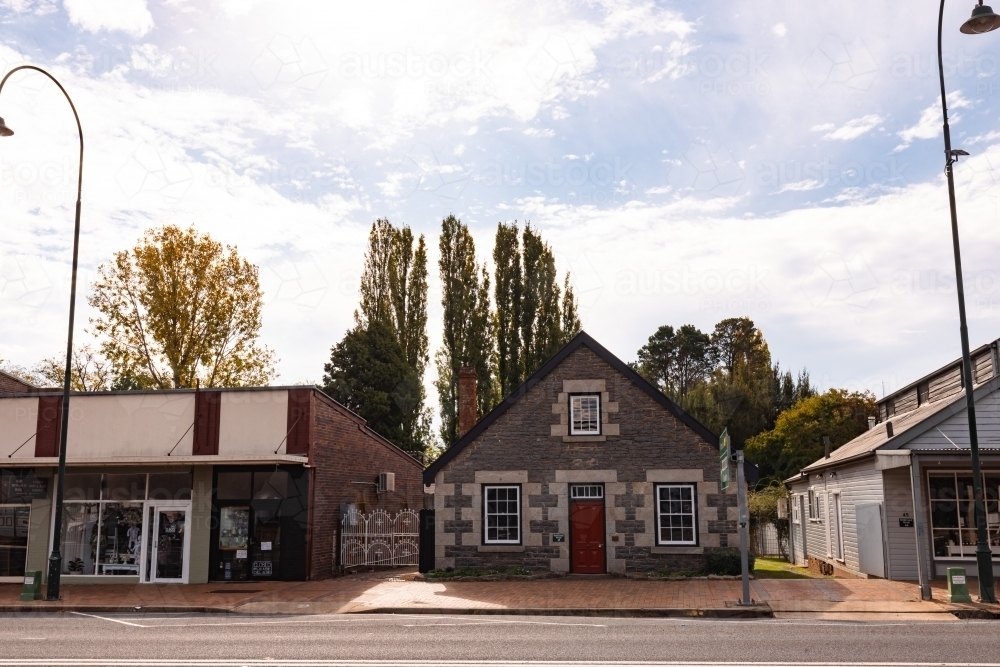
(724,460)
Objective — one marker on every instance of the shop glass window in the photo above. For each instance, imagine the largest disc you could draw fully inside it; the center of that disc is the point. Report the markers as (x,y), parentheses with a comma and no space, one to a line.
(675,514)
(20,487)
(234,486)
(234,528)
(79,541)
(13,539)
(119,542)
(503,514)
(953,514)
(86,486)
(585,415)
(170,486)
(103,519)
(124,487)
(271,485)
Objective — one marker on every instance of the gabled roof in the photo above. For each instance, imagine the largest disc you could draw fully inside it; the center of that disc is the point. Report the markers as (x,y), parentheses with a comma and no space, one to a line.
(582,339)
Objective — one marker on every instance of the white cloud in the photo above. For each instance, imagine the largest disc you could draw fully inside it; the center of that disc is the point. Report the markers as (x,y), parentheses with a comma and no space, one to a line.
(780,30)
(801,186)
(535,132)
(852,129)
(129,16)
(929,124)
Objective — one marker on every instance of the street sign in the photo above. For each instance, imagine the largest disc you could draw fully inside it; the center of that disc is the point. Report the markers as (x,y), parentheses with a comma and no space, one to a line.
(724,460)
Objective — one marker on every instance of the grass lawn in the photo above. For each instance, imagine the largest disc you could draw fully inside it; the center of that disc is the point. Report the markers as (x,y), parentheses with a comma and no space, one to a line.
(773,568)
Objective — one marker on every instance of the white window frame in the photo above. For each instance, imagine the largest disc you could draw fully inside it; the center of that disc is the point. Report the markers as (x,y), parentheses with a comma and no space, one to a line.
(486,513)
(815,515)
(586,492)
(659,517)
(573,399)
(796,513)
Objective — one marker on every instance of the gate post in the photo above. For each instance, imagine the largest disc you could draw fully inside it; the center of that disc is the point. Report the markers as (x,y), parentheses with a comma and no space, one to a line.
(426,541)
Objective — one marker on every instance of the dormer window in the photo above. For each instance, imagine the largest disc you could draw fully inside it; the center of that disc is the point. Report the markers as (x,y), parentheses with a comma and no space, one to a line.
(585,414)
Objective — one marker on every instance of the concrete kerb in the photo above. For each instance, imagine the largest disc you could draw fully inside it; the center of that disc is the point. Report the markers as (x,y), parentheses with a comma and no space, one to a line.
(760,611)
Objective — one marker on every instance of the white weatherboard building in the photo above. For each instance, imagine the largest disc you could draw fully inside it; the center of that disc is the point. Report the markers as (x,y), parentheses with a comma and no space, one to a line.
(897,502)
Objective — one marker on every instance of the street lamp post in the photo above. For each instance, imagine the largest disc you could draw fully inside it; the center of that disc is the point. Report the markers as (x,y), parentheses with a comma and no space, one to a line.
(55,559)
(983,20)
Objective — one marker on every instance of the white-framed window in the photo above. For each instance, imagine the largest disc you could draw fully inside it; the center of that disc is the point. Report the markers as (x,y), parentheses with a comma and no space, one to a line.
(502,514)
(796,513)
(814,509)
(676,516)
(586,491)
(585,414)
(952,510)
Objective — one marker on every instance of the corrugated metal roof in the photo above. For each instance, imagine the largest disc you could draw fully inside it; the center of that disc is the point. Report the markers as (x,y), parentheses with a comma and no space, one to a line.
(869,441)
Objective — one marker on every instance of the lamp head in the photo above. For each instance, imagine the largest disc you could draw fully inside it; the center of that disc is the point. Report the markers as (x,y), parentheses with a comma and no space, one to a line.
(983,20)
(4,130)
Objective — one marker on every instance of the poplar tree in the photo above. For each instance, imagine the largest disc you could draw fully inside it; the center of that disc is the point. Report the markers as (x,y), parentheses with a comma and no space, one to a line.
(394,295)
(534,318)
(508,286)
(468,334)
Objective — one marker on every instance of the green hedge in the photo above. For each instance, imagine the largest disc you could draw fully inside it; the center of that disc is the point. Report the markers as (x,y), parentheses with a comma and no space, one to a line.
(725,562)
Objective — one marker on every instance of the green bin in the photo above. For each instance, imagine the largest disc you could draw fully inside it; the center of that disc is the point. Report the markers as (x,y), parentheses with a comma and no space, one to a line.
(958,589)
(32,589)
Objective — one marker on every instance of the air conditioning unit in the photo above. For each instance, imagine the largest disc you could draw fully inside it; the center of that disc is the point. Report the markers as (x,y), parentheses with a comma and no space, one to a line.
(386,481)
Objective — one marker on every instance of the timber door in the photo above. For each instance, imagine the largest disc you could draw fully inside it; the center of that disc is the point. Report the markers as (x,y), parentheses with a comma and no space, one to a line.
(586,529)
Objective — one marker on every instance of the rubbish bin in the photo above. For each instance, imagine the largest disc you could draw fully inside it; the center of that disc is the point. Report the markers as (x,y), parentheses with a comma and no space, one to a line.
(32,588)
(958,589)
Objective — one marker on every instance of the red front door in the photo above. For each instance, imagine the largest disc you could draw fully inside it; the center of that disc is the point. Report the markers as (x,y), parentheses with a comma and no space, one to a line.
(586,534)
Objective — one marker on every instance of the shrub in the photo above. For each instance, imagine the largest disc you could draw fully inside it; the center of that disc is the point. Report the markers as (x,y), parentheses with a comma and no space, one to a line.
(725,562)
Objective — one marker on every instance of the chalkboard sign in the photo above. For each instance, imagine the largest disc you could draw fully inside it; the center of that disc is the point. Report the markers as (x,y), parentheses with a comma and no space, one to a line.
(261,568)
(906,522)
(558,537)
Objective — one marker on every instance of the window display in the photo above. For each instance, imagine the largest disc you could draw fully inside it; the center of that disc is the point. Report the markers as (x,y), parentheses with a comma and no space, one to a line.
(234,527)
(952,514)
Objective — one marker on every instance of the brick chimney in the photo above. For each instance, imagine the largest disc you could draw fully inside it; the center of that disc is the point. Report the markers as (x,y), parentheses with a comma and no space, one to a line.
(467,400)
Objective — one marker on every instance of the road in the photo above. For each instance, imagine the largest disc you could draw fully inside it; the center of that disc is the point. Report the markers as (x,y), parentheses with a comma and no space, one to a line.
(191,639)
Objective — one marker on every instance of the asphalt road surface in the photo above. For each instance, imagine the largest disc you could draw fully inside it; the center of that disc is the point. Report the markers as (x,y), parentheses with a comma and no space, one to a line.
(402,640)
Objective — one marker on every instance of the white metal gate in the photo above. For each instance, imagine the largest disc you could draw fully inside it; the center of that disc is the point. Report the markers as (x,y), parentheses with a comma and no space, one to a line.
(379,538)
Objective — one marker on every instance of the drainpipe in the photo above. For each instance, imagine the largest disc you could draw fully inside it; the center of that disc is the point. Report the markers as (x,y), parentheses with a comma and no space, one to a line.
(923,567)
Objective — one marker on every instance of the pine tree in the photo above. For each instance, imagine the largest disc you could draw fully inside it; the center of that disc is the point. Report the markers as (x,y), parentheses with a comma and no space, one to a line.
(468,334)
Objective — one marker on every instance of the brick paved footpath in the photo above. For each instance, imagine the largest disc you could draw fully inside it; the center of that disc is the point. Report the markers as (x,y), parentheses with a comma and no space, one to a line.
(401,592)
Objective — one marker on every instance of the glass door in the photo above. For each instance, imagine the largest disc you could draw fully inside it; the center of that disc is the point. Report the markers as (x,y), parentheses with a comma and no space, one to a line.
(168,555)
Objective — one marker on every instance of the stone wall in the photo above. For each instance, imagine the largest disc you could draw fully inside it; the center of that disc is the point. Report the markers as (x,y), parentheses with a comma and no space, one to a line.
(642,444)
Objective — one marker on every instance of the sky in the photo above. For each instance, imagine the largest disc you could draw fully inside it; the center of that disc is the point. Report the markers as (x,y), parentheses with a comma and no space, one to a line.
(687,161)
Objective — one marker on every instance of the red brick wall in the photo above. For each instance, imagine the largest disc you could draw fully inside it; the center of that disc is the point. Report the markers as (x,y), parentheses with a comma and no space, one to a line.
(343,450)
(11,385)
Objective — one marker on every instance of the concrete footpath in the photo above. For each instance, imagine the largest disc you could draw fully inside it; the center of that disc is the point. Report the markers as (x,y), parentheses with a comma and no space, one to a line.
(405,592)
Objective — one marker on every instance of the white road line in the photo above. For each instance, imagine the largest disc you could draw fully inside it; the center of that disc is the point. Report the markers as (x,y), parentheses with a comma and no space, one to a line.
(469,663)
(104,618)
(282,622)
(436,625)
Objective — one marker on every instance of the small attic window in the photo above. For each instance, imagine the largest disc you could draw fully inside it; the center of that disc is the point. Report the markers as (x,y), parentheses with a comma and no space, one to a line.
(585,414)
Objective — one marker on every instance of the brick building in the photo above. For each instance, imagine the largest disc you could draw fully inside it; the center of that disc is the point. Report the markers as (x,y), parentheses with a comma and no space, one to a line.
(585,468)
(188,486)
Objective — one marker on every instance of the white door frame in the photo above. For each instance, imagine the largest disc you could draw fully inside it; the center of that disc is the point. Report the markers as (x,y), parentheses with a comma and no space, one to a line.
(153,512)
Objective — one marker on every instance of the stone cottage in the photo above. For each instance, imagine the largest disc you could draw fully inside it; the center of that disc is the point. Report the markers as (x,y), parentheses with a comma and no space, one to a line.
(585,468)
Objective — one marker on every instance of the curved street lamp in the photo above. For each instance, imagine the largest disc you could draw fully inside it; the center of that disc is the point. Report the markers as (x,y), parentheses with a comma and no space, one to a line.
(55,559)
(983,20)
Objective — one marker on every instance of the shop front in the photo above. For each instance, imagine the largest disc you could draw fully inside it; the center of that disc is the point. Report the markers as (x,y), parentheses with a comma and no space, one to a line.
(128,524)
(260,515)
